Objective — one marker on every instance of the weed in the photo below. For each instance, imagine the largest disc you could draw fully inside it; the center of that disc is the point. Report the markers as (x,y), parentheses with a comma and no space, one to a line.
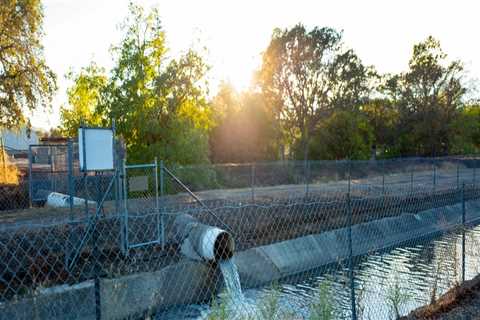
(322,305)
(269,304)
(396,297)
(219,309)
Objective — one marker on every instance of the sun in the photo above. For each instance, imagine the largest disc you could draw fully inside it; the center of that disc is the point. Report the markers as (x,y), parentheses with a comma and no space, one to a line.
(234,64)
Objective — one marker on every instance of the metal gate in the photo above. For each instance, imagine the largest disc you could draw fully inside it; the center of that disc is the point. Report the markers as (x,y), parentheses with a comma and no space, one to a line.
(143,221)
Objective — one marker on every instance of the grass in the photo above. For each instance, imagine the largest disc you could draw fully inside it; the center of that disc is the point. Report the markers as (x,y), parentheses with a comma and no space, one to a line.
(322,307)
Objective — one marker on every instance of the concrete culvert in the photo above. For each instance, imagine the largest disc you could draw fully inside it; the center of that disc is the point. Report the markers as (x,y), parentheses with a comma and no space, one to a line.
(202,242)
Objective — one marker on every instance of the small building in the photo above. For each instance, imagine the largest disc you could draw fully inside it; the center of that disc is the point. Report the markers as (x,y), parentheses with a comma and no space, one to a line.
(16,142)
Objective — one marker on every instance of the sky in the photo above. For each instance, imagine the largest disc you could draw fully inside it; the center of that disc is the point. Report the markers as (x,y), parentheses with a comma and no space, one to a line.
(235,33)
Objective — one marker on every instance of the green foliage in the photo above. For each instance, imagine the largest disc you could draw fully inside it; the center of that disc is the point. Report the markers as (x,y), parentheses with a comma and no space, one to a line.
(314,100)
(196,178)
(466,128)
(158,104)
(382,117)
(343,135)
(83,97)
(219,309)
(428,97)
(305,75)
(244,130)
(26,82)
(322,306)
(268,306)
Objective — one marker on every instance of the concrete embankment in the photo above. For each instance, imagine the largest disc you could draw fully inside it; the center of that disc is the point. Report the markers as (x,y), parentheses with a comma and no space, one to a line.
(133,296)
(192,282)
(264,264)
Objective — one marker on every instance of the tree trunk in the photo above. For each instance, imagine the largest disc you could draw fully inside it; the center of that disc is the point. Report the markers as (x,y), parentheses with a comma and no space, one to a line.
(305,141)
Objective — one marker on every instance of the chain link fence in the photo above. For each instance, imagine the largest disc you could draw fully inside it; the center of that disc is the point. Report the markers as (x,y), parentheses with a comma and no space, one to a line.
(284,240)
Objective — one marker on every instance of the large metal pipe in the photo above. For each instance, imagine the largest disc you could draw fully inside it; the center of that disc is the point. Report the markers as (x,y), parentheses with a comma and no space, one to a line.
(202,242)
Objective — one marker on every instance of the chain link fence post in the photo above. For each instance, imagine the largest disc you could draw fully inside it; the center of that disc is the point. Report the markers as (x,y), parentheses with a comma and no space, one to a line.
(458,175)
(70,198)
(474,172)
(434,175)
(50,160)
(157,205)
(125,207)
(350,245)
(462,194)
(96,256)
(162,204)
(30,178)
(411,179)
(307,177)
(252,181)
(383,176)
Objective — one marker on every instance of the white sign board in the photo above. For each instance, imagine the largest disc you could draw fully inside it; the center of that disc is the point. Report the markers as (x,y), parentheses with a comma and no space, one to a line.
(98,145)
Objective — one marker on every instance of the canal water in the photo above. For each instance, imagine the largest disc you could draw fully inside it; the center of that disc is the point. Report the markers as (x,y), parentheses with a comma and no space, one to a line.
(386,283)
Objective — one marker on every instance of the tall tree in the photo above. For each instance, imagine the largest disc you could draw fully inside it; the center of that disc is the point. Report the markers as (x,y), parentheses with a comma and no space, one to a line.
(466,130)
(382,117)
(428,97)
(26,82)
(344,134)
(244,128)
(305,75)
(159,104)
(83,97)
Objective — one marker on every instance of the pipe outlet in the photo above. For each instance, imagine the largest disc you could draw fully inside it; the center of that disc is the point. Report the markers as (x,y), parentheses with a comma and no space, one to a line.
(203,242)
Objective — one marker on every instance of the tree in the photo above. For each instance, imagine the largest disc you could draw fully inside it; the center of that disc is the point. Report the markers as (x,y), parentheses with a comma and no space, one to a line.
(305,75)
(26,82)
(383,118)
(244,129)
(466,131)
(158,104)
(344,134)
(83,97)
(427,97)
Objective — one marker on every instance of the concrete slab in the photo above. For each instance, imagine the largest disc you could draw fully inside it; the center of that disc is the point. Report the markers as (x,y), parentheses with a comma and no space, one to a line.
(255,268)
(294,256)
(60,302)
(143,293)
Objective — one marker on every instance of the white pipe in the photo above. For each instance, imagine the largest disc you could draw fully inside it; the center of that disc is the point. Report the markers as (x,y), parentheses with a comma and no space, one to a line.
(202,242)
(60,200)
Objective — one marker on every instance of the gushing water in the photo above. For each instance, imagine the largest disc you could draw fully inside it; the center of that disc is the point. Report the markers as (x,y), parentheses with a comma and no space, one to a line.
(232,279)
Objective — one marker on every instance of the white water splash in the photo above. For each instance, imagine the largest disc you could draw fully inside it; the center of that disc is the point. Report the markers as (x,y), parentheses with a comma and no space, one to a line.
(232,279)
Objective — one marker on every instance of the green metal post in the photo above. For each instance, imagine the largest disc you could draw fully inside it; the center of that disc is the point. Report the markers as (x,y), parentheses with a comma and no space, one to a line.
(463,231)
(350,253)
(252,181)
(162,193)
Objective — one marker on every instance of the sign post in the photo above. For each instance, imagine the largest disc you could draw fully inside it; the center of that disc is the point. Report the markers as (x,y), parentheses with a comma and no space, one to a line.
(96,153)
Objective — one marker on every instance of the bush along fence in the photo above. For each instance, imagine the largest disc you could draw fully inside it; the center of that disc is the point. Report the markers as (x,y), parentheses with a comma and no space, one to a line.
(368,240)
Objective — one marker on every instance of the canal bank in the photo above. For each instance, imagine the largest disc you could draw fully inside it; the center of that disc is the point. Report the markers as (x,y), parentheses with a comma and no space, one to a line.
(150,292)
